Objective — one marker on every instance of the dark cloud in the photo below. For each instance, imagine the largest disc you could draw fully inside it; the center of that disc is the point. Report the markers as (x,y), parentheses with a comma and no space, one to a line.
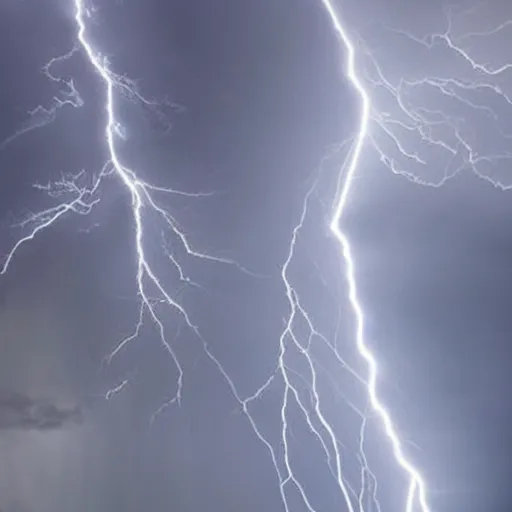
(18,411)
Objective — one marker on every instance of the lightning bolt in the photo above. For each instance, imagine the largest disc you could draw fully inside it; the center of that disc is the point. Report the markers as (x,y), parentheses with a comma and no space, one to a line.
(416,483)
(424,122)
(144,198)
(79,194)
(298,368)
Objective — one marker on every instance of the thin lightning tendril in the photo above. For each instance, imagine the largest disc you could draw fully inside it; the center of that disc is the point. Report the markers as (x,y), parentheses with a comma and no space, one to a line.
(43,115)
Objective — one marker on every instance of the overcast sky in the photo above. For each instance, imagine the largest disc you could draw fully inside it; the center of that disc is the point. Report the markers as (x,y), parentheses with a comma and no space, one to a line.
(250,101)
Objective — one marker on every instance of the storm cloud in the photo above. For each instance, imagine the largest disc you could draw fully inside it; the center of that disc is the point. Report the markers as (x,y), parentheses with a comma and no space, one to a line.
(18,411)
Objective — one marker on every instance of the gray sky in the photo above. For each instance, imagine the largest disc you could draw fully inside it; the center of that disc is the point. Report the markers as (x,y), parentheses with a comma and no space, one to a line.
(246,100)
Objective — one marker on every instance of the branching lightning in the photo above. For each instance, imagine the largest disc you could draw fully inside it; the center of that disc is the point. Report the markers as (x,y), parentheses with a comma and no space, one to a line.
(416,483)
(43,115)
(143,195)
(424,122)
(435,131)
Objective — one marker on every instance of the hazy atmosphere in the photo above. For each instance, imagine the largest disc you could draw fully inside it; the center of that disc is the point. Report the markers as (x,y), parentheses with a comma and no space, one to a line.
(196,212)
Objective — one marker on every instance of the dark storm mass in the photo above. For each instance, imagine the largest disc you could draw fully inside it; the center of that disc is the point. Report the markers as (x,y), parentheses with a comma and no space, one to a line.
(19,411)
(176,324)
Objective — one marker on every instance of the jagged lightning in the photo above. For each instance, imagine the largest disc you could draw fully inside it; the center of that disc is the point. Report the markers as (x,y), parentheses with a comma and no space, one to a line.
(85,196)
(416,483)
(43,115)
(142,195)
(445,132)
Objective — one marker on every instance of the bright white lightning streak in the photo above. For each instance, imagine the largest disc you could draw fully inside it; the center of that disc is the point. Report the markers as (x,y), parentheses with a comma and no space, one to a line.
(416,483)
(141,194)
(85,198)
(141,197)
(137,191)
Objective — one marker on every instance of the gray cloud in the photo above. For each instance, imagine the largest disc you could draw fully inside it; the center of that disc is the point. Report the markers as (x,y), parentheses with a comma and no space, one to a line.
(18,411)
